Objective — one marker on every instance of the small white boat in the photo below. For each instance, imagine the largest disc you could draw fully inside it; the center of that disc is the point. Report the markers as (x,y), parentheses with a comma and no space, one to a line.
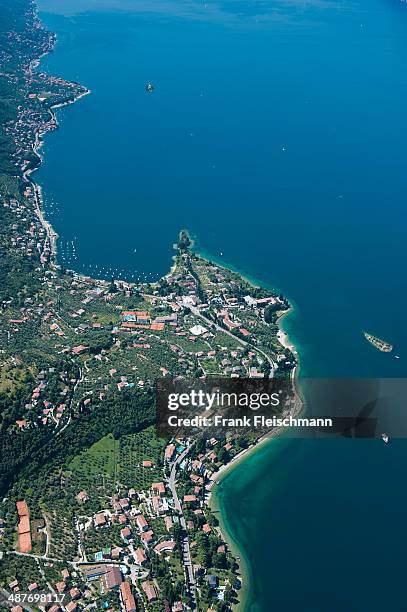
(385,438)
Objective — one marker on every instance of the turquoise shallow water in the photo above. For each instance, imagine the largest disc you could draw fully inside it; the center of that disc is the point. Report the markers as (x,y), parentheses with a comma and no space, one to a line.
(276,134)
(320,524)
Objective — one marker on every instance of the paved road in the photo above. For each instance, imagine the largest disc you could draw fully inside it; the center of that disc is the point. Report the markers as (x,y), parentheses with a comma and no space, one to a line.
(209,322)
(43,557)
(199,314)
(78,381)
(186,552)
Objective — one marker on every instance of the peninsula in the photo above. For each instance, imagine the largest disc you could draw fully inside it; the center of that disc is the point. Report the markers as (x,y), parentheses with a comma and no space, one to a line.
(96,509)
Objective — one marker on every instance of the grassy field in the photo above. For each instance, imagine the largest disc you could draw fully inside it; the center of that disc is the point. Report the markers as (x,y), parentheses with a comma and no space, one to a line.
(12,377)
(136,448)
(121,460)
(101,458)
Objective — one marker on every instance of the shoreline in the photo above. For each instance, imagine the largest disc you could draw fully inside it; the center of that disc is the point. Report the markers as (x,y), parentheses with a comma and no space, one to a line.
(212,501)
(282,336)
(51,234)
(245,570)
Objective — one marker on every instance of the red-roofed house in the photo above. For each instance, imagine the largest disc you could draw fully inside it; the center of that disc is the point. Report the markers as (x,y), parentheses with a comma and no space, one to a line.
(127,597)
(189,499)
(159,488)
(165,545)
(100,519)
(168,522)
(126,533)
(82,496)
(142,523)
(147,536)
(170,452)
(74,593)
(150,590)
(139,556)
(78,350)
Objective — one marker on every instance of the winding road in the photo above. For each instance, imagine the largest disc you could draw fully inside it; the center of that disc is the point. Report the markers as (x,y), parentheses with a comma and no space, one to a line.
(186,552)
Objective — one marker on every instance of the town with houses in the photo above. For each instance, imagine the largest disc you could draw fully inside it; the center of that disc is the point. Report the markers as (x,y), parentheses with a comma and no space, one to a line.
(96,511)
(166,526)
(137,532)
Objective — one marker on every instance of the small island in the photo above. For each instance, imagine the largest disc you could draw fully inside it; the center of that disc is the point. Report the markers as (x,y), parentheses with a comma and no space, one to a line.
(381,345)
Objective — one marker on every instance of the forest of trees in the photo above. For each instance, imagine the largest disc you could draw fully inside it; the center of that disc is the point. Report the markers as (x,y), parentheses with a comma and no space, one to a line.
(16,51)
(120,414)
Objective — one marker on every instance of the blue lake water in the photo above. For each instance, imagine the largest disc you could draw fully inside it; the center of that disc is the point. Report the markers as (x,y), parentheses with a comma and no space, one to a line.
(277,135)
(321,525)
